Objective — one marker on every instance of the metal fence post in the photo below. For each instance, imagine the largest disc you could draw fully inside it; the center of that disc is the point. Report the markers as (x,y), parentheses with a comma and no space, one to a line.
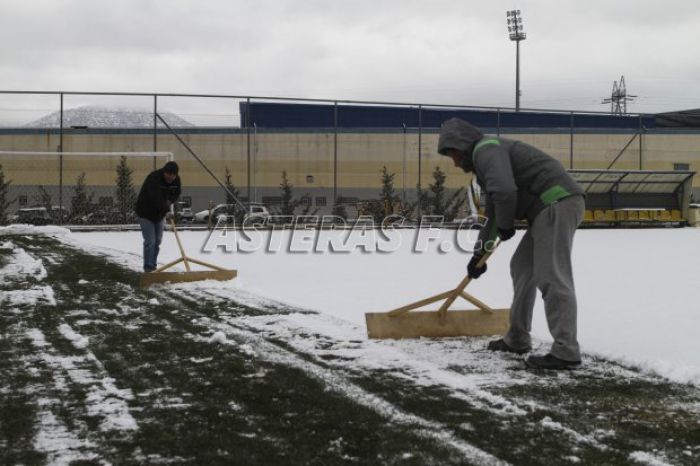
(247,129)
(571,143)
(641,129)
(335,153)
(498,122)
(155,128)
(60,166)
(403,179)
(420,157)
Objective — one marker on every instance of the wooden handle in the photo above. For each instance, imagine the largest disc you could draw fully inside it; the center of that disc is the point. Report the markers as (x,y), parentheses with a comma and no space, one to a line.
(476,302)
(179,245)
(463,284)
(417,304)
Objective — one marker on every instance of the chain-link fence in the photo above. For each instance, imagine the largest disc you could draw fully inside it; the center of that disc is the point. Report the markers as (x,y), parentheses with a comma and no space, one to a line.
(279,155)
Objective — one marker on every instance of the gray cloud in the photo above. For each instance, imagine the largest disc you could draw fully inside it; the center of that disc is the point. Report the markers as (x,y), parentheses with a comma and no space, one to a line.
(411,51)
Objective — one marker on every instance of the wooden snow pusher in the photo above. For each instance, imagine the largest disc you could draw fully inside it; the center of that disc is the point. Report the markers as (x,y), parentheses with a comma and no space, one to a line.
(160,276)
(401,323)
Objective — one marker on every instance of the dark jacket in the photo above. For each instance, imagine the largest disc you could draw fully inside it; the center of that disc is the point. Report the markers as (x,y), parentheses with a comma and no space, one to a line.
(156,196)
(519,180)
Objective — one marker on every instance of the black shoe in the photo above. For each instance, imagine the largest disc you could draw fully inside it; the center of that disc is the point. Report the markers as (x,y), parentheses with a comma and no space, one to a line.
(501,345)
(549,361)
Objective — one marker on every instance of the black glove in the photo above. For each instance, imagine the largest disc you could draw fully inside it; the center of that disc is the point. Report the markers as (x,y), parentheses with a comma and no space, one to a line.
(506,233)
(471,267)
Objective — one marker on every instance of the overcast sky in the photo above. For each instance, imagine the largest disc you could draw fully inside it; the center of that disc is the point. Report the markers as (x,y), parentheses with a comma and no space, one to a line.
(448,52)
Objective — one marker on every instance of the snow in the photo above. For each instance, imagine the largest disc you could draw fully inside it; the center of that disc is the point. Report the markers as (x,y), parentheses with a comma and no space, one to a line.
(647,458)
(24,229)
(95,116)
(61,446)
(21,264)
(337,382)
(547,423)
(218,337)
(637,289)
(79,341)
(104,400)
(30,297)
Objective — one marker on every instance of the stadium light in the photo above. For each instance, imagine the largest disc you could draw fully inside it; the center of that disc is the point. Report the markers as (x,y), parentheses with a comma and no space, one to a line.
(516,33)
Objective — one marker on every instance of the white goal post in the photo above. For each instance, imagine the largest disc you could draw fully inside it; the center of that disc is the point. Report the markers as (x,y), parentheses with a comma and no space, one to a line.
(168,155)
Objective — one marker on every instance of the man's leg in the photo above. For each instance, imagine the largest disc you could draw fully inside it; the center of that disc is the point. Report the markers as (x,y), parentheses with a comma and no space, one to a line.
(148,231)
(158,228)
(524,294)
(553,234)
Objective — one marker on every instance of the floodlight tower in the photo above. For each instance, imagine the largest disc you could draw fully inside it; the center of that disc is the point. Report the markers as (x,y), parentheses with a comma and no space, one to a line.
(516,31)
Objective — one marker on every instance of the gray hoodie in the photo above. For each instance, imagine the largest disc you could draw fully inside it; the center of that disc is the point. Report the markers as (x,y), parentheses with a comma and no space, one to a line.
(518,179)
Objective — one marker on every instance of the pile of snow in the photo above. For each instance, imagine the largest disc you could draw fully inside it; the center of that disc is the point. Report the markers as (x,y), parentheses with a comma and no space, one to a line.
(218,337)
(24,229)
(21,264)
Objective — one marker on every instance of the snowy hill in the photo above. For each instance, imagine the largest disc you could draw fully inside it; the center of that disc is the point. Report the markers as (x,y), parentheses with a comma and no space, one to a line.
(94,116)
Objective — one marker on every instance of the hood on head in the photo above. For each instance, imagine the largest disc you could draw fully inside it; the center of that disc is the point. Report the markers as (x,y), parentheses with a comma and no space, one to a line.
(456,133)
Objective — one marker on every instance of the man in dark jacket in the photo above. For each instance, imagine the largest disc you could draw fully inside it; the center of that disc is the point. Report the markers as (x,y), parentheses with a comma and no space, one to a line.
(522,182)
(159,191)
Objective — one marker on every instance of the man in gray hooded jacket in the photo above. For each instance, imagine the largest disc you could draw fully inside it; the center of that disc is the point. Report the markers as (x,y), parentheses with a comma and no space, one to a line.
(522,182)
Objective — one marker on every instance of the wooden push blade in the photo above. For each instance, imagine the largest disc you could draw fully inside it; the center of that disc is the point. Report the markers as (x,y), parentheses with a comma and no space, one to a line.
(429,324)
(152,278)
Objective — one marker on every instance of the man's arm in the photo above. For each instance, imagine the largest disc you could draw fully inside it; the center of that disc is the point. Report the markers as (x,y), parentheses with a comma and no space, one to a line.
(174,191)
(492,164)
(488,232)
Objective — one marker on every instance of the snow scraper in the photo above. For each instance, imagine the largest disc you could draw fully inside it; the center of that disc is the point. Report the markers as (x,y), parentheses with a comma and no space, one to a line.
(160,276)
(401,323)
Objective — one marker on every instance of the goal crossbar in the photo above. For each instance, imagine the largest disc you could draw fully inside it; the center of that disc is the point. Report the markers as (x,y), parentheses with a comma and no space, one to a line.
(168,155)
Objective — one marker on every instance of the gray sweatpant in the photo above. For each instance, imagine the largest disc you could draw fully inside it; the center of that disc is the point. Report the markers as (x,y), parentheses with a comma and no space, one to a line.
(543,261)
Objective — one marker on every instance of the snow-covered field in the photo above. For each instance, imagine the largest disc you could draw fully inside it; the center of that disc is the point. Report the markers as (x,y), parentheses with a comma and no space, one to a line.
(96,369)
(639,299)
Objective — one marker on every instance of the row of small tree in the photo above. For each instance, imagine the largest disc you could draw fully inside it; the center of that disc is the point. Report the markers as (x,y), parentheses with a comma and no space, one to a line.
(289,205)
(436,200)
(81,203)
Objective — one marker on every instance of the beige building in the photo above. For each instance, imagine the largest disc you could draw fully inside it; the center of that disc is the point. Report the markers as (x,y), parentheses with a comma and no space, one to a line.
(318,162)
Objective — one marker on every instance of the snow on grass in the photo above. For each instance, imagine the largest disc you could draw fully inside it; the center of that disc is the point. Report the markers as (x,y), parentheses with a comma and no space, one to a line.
(33,296)
(340,384)
(548,423)
(107,401)
(21,265)
(23,268)
(627,311)
(61,446)
(79,341)
(104,400)
(424,362)
(647,459)
(219,338)
(24,229)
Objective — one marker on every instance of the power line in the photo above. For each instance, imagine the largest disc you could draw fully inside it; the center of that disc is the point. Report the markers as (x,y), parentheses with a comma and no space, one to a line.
(619,98)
